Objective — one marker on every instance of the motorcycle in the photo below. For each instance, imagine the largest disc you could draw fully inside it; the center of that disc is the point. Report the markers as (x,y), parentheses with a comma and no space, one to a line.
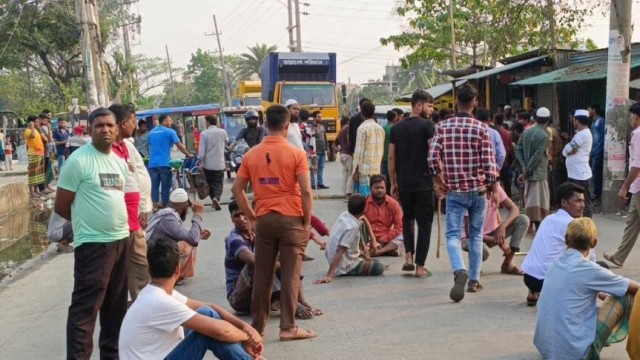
(237,154)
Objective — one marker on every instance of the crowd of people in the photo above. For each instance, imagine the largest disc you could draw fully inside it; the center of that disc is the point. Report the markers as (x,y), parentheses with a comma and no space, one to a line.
(132,244)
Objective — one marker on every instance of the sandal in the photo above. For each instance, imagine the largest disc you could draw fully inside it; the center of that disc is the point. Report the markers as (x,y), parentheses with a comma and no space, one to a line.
(425,275)
(474,286)
(612,259)
(301,334)
(532,299)
(304,313)
(408,267)
(317,312)
(513,270)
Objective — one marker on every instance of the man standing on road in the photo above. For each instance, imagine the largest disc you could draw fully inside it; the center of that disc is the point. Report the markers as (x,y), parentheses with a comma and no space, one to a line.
(354,123)
(597,150)
(35,153)
(279,174)
(211,158)
(294,135)
(60,138)
(630,185)
(91,195)
(320,135)
(506,174)
(161,140)
(462,153)
(142,139)
(367,157)
(484,115)
(577,153)
(531,152)
(346,157)
(392,118)
(411,181)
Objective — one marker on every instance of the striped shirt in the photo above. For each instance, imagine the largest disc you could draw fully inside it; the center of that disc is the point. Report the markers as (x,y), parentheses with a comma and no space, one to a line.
(462,150)
(346,233)
(369,148)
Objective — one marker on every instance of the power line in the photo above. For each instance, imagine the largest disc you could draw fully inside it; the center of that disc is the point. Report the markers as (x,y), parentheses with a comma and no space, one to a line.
(13,31)
(363,54)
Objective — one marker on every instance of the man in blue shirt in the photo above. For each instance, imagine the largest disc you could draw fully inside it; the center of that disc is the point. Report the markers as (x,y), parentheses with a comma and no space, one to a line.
(597,150)
(161,140)
(60,137)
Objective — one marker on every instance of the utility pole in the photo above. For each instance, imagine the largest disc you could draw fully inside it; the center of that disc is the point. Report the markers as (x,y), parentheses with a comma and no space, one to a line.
(173,84)
(87,58)
(225,74)
(617,103)
(128,58)
(554,51)
(292,45)
(298,28)
(453,36)
(99,63)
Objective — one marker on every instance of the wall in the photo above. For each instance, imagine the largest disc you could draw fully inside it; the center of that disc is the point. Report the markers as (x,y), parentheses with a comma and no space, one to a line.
(13,197)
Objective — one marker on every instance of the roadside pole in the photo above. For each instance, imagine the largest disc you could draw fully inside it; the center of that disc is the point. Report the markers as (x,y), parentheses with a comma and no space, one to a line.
(617,104)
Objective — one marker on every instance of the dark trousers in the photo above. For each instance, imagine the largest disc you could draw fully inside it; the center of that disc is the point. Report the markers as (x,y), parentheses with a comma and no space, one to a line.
(586,184)
(533,284)
(506,178)
(100,285)
(215,179)
(597,167)
(418,206)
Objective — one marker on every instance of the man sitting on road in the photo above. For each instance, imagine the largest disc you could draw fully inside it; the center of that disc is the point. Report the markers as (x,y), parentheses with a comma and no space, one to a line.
(154,325)
(384,216)
(570,325)
(346,253)
(239,262)
(167,223)
(549,242)
(496,231)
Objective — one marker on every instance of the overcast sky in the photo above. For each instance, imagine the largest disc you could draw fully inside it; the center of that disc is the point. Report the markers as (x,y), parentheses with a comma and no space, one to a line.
(350,28)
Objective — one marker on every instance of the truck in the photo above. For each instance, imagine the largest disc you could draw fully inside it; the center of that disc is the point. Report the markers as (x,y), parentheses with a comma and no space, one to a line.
(248,93)
(310,79)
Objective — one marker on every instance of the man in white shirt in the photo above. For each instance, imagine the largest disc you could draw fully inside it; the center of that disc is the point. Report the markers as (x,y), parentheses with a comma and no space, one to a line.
(345,249)
(577,153)
(154,325)
(211,158)
(549,241)
(294,136)
(570,325)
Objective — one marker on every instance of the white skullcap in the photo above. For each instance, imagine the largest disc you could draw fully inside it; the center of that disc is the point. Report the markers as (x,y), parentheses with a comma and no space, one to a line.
(507,107)
(290,102)
(543,112)
(581,112)
(179,196)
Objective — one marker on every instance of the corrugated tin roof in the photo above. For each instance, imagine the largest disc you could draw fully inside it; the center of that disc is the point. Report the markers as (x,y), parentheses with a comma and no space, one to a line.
(580,72)
(435,91)
(590,57)
(515,65)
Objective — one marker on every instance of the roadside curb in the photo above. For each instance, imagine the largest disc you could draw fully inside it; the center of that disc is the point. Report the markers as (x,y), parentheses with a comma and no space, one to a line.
(13,174)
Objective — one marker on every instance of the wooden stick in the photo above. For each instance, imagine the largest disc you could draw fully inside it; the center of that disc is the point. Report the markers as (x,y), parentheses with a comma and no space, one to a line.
(439,228)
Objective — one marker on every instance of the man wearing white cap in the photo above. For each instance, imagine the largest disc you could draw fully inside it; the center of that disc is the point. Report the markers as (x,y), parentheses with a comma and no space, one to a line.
(577,153)
(508,114)
(167,223)
(531,152)
(294,135)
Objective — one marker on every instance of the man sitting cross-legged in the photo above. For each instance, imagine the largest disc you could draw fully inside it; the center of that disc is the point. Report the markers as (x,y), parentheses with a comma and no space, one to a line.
(154,325)
(570,325)
(496,231)
(347,254)
(239,262)
(384,215)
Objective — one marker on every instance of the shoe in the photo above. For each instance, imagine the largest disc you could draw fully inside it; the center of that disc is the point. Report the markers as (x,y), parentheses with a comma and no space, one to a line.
(314,187)
(324,187)
(464,245)
(459,281)
(216,204)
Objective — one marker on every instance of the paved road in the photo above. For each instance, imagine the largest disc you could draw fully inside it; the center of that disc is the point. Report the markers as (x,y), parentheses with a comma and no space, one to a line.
(390,317)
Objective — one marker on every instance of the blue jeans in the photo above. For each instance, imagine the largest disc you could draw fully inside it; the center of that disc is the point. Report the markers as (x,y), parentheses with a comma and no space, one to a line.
(458,205)
(160,176)
(195,345)
(321,159)
(60,162)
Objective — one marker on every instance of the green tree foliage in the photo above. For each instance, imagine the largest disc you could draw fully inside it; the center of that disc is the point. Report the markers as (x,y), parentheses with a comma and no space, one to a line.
(206,77)
(250,63)
(485,31)
(379,95)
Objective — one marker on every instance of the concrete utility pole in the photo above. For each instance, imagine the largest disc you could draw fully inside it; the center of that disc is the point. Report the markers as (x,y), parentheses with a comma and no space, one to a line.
(554,51)
(87,58)
(617,103)
(99,62)
(298,28)
(292,45)
(225,74)
(453,36)
(173,84)
(128,58)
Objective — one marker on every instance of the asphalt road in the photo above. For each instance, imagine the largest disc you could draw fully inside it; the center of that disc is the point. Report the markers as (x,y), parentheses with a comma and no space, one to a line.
(388,317)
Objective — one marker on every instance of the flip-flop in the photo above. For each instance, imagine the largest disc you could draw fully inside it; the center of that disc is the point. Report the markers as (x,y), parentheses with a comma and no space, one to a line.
(301,334)
(513,270)
(317,312)
(304,313)
(532,299)
(425,275)
(610,258)
(307,258)
(408,267)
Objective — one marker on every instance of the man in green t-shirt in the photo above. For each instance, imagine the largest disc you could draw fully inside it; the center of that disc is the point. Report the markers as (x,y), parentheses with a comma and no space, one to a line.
(91,195)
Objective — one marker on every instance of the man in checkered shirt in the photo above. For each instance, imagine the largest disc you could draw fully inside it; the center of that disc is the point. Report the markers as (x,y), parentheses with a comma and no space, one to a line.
(463,165)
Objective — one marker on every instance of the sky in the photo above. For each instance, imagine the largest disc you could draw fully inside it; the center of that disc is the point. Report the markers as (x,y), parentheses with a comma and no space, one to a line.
(352,29)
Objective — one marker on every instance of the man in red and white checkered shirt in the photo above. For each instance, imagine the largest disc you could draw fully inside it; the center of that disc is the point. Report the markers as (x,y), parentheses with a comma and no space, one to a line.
(462,162)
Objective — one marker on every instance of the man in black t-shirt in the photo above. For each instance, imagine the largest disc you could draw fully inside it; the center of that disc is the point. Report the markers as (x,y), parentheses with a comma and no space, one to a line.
(410,178)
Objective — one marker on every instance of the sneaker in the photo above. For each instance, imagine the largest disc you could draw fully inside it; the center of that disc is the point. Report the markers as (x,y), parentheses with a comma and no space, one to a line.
(459,281)
(464,244)
(216,204)
(324,187)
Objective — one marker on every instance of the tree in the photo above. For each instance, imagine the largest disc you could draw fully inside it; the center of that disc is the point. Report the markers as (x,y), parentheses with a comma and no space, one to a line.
(485,31)
(417,76)
(251,63)
(206,78)
(377,94)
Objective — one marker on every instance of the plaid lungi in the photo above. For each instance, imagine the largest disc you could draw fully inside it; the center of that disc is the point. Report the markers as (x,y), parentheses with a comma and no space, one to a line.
(36,169)
(613,323)
(367,267)
(240,297)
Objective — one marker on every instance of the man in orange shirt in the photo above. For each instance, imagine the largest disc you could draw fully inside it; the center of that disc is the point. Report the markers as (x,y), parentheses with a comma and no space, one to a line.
(384,216)
(35,153)
(279,175)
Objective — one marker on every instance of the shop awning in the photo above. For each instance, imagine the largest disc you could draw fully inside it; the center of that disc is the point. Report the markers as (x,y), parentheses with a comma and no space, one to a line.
(579,72)
(501,69)
(435,91)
